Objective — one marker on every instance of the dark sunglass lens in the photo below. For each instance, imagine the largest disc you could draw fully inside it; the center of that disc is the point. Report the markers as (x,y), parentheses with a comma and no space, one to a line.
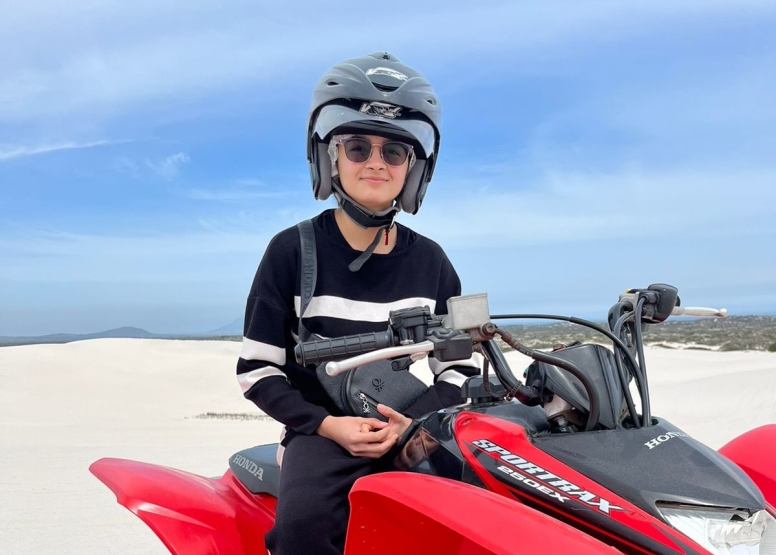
(395,154)
(357,150)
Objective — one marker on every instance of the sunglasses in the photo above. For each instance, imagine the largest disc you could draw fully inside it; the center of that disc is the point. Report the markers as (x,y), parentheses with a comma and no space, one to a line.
(358,150)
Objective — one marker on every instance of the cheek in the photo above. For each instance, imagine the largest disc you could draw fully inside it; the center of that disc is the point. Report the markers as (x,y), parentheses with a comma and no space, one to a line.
(342,169)
(345,172)
(399,175)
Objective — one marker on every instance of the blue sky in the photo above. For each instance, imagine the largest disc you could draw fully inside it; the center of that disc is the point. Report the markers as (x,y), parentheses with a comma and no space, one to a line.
(148,151)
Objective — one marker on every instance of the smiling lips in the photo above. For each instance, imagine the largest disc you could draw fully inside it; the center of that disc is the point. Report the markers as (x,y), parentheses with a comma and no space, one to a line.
(374,179)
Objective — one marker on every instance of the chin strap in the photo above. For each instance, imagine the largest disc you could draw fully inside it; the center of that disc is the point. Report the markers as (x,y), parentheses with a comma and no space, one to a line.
(360,214)
(355,266)
(366,219)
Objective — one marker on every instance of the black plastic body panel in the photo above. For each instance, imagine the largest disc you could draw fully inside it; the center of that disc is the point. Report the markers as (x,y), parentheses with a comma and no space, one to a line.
(656,463)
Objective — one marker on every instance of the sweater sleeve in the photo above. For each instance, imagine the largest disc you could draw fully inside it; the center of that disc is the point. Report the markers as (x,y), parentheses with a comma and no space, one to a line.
(262,369)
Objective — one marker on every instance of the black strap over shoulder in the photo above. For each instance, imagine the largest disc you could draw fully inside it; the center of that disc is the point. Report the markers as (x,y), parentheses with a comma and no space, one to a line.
(354,393)
(308,271)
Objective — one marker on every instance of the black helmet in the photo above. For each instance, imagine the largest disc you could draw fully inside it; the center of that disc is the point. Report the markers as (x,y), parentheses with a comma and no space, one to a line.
(376,95)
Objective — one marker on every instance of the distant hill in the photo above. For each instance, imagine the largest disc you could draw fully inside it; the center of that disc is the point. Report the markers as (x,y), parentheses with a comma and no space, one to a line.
(233,328)
(116,333)
(735,333)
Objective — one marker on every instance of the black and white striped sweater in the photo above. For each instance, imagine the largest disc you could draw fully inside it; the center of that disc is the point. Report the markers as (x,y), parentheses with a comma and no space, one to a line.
(415,273)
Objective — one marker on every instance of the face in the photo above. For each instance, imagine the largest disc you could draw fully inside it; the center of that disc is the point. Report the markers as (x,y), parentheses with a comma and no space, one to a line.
(373,183)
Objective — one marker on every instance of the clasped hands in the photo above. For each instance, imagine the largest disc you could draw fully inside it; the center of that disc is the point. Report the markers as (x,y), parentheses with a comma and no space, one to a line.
(365,437)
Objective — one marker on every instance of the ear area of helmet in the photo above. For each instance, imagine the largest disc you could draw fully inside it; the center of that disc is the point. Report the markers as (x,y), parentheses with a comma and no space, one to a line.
(320,171)
(414,188)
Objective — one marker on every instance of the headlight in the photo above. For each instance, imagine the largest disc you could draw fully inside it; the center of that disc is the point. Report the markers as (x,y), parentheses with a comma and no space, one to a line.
(724,531)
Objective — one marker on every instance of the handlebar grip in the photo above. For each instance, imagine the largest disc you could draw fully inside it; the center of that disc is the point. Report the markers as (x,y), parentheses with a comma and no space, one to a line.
(323,350)
(699,311)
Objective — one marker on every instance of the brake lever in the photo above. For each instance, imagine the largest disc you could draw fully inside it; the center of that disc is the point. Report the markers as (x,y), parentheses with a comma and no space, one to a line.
(337,367)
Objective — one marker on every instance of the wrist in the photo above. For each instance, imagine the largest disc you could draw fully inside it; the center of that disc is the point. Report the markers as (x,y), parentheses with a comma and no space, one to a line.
(324,427)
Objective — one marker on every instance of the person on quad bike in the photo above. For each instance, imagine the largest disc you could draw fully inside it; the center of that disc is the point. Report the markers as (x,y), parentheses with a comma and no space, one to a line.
(372,142)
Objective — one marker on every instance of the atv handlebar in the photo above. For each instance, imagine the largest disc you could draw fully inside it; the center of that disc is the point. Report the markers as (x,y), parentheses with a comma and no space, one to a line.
(468,325)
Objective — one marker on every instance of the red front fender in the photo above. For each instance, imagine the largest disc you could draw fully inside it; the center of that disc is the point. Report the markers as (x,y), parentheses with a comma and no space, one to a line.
(755,453)
(192,515)
(408,513)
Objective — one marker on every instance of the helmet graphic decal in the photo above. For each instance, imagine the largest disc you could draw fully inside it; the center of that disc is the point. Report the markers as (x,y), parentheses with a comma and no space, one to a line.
(381,110)
(386,71)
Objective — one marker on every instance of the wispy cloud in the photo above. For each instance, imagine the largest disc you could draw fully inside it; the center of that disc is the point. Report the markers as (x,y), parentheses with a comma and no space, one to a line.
(233,195)
(184,256)
(249,181)
(717,97)
(200,251)
(11,152)
(244,189)
(571,207)
(169,168)
(211,49)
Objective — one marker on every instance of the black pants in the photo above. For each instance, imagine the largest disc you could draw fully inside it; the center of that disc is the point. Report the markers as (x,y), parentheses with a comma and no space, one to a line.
(312,511)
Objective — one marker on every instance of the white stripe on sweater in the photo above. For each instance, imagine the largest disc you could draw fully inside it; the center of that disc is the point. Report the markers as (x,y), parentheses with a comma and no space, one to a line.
(256,350)
(358,311)
(249,379)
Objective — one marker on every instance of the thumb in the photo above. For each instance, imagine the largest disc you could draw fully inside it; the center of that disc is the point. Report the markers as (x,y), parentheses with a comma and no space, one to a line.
(385,410)
(389,413)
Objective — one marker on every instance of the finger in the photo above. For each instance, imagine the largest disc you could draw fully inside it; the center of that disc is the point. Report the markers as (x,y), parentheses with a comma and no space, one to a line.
(392,416)
(364,452)
(395,418)
(385,410)
(375,442)
(378,436)
(387,443)
(363,436)
(375,450)
(365,428)
(369,436)
(374,423)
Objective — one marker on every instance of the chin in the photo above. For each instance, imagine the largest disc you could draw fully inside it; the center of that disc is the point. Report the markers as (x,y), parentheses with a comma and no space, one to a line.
(374,204)
(380,208)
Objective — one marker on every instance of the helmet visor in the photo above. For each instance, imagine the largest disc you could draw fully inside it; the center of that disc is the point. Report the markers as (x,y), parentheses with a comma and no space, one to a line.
(419,132)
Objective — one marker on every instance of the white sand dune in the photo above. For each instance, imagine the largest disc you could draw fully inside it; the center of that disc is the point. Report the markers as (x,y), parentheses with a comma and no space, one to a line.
(64,406)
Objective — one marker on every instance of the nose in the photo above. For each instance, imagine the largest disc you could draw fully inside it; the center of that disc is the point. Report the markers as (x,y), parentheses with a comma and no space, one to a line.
(375,157)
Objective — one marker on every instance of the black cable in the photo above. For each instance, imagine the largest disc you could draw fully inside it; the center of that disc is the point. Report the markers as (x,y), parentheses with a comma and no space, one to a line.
(586,323)
(646,416)
(514,387)
(620,321)
(617,330)
(572,319)
(592,393)
(485,378)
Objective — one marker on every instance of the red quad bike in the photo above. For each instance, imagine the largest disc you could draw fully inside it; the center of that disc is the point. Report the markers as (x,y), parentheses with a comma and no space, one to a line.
(563,461)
